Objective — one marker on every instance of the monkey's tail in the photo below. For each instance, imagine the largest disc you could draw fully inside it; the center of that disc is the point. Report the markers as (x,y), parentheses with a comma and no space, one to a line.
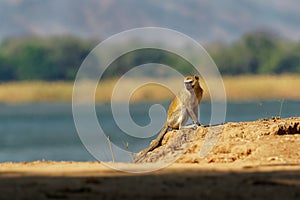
(153,144)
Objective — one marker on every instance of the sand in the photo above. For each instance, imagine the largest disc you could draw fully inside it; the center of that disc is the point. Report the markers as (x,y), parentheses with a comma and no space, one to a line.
(91,180)
(251,160)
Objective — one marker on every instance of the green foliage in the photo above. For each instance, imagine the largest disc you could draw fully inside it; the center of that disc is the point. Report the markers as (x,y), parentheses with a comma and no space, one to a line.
(143,56)
(6,69)
(58,58)
(259,52)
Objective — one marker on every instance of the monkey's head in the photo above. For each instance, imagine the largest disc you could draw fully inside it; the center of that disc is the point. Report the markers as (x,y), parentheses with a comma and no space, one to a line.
(191,82)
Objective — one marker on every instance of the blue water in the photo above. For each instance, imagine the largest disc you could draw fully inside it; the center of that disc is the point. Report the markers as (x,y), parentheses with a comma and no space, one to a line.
(47,132)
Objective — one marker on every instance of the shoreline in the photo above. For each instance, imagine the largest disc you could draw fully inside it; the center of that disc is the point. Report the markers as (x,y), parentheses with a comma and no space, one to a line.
(86,168)
(238,88)
(251,160)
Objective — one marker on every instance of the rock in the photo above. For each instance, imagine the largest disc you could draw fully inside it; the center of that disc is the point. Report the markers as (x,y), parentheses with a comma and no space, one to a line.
(258,140)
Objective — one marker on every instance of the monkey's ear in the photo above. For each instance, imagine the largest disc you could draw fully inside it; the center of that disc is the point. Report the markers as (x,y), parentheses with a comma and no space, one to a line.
(196,77)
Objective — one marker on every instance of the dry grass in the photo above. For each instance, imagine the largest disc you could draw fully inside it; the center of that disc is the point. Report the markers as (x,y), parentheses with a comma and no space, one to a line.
(238,88)
(23,92)
(263,87)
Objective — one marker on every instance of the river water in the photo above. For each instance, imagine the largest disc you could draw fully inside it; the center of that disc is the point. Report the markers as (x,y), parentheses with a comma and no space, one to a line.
(46,131)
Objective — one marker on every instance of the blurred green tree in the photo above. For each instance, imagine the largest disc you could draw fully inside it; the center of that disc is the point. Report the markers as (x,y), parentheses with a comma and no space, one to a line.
(59,57)
(258,52)
(55,58)
(6,70)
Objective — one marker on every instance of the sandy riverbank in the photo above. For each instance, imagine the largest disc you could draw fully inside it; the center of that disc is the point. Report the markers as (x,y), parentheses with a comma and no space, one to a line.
(251,160)
(92,180)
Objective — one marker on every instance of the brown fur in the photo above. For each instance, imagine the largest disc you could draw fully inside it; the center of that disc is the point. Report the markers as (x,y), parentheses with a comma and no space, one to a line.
(175,118)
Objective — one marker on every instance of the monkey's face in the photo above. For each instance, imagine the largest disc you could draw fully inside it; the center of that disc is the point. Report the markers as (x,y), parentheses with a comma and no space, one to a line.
(188,83)
(191,81)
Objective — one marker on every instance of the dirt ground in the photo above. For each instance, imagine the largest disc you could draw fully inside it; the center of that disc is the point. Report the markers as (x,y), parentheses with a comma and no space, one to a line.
(264,142)
(248,160)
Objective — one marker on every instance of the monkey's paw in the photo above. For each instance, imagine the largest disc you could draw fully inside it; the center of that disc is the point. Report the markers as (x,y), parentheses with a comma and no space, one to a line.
(195,126)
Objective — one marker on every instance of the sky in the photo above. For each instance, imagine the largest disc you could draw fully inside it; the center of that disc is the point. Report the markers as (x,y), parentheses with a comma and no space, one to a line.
(204,20)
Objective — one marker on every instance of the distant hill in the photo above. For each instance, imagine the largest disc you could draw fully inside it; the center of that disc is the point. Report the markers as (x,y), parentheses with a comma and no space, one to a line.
(204,20)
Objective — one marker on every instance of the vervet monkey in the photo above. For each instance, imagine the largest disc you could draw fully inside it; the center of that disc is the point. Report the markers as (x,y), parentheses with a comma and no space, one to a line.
(183,106)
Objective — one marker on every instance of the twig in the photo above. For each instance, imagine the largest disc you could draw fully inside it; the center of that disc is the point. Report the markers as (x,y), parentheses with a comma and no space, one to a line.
(110,147)
(127,147)
(281,105)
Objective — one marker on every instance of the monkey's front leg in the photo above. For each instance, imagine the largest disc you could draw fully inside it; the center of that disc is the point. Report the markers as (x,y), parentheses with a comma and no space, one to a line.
(191,126)
(193,114)
(194,117)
